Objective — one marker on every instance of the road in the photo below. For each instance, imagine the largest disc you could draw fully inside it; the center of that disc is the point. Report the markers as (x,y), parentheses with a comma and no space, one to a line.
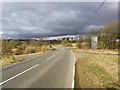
(51,70)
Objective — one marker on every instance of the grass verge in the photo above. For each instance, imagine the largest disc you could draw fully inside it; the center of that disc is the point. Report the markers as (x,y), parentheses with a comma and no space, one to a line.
(95,51)
(9,60)
(97,72)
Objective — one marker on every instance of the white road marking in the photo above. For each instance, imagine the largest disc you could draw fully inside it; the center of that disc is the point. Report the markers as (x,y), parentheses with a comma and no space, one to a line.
(53,55)
(19,74)
(20,62)
(73,82)
(26,69)
(50,57)
(59,52)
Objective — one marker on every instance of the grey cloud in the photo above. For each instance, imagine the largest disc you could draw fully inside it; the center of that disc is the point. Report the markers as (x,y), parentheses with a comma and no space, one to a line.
(92,28)
(33,19)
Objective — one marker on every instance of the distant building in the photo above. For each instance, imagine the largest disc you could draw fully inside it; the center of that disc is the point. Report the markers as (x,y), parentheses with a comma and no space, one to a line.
(35,38)
(71,37)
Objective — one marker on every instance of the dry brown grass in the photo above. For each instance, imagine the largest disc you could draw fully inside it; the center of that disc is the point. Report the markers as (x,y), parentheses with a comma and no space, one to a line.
(9,60)
(95,51)
(97,72)
(30,51)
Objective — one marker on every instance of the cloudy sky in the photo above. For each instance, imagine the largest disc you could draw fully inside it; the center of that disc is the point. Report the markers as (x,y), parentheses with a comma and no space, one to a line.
(42,19)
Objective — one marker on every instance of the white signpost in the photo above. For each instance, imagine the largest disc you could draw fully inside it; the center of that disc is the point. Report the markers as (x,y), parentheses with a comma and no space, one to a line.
(94,42)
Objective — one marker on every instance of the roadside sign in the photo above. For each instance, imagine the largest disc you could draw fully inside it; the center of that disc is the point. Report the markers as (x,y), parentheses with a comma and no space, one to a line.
(94,42)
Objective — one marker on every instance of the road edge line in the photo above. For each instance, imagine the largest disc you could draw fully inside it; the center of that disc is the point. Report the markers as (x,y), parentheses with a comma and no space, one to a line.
(73,78)
(18,74)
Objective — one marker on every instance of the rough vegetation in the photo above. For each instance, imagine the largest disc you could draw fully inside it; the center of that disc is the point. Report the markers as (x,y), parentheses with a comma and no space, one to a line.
(66,42)
(108,38)
(100,71)
(10,60)
(97,72)
(95,51)
(10,48)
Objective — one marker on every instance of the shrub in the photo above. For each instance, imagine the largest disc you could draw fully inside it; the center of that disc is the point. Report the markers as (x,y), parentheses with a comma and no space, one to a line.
(6,48)
(45,48)
(31,49)
(19,50)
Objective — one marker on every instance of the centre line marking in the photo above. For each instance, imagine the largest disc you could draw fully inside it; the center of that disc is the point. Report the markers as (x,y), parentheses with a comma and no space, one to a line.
(19,74)
(58,52)
(50,57)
